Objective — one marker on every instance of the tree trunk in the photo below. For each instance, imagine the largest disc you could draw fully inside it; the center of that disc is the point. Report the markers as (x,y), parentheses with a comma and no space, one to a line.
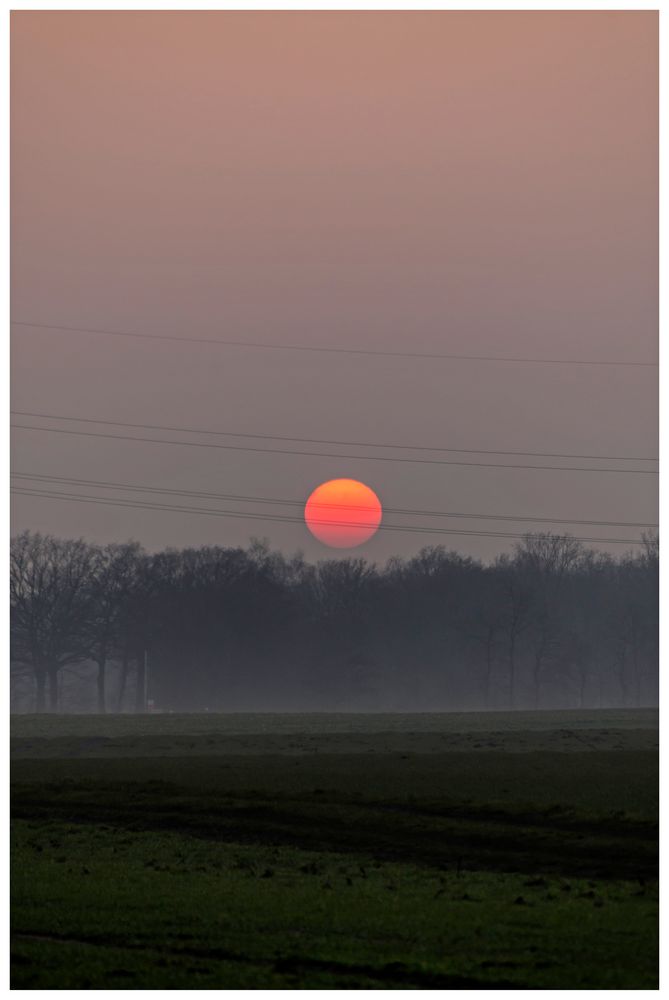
(637,673)
(536,678)
(622,676)
(488,666)
(40,699)
(140,692)
(541,651)
(53,689)
(512,672)
(101,679)
(122,681)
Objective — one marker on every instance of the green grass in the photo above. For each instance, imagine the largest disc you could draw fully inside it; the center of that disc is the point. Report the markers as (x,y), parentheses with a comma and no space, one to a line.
(408,868)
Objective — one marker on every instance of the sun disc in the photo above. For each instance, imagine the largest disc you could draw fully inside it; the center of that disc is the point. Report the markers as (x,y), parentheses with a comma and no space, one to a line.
(343,513)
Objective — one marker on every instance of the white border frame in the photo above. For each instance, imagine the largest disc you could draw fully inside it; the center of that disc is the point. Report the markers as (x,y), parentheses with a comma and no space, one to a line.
(206,5)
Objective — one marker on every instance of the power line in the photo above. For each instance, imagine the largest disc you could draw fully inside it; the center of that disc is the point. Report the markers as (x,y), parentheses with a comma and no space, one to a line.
(200,494)
(257,345)
(185,509)
(304,440)
(317,454)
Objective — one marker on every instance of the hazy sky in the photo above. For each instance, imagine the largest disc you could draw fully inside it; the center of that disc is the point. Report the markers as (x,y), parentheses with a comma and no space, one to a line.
(477,183)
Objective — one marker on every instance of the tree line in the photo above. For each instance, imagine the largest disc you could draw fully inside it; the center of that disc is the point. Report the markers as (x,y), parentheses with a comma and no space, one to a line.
(114,628)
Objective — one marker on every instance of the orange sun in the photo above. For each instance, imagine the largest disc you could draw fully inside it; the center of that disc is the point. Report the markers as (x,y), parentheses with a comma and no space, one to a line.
(343,513)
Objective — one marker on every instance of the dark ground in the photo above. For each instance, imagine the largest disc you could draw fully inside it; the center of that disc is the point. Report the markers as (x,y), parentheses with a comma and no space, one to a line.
(497,850)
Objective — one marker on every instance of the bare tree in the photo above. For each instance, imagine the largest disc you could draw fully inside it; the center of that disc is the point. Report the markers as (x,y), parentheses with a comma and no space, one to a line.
(50,602)
(111,587)
(482,623)
(551,624)
(547,562)
(517,610)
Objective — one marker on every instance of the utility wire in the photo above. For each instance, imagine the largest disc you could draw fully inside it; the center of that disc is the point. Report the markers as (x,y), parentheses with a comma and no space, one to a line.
(199,494)
(257,345)
(184,509)
(317,454)
(303,440)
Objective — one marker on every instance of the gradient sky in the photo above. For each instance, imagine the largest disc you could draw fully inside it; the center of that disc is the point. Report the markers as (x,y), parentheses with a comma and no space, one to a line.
(457,182)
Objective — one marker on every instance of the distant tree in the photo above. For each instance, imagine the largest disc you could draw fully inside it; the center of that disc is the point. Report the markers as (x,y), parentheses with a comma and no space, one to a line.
(339,613)
(231,628)
(584,639)
(633,622)
(113,584)
(516,591)
(482,623)
(50,596)
(547,563)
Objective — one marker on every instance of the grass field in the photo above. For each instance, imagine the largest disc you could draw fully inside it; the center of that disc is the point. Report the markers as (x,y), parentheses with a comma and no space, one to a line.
(481,850)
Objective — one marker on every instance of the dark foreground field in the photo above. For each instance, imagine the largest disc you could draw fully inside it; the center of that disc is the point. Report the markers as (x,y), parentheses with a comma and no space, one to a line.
(408,852)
